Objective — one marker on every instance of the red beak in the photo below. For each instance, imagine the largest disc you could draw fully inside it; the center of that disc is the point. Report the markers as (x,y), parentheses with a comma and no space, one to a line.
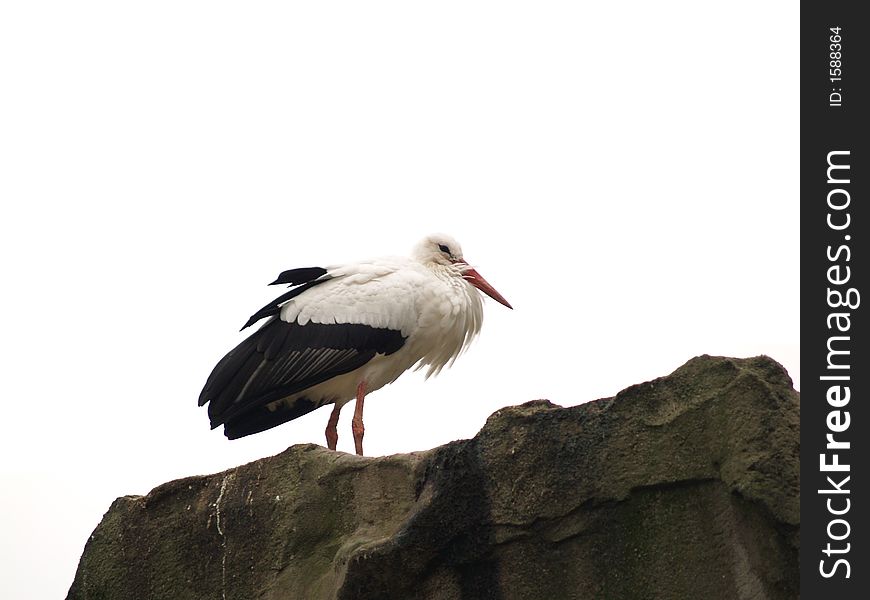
(483,285)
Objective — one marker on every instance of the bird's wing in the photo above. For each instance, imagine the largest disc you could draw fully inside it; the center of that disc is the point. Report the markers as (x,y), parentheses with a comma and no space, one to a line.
(316,333)
(281,359)
(381,294)
(305,279)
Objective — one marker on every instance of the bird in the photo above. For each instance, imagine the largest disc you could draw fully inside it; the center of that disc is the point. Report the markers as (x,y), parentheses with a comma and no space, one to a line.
(344,331)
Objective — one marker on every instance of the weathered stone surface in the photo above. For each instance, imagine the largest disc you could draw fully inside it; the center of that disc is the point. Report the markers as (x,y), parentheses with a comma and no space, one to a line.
(682,487)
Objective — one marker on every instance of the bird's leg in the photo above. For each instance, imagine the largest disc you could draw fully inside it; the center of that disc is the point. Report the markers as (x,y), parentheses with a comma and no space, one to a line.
(331,431)
(357,423)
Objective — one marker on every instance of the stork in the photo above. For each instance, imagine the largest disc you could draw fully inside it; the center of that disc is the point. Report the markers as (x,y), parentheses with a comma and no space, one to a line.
(342,332)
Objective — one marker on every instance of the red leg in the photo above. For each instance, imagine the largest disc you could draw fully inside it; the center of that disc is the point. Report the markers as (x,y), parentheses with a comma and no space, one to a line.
(357,423)
(331,431)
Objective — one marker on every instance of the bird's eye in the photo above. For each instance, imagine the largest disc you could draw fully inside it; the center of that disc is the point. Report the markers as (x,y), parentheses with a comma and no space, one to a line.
(444,248)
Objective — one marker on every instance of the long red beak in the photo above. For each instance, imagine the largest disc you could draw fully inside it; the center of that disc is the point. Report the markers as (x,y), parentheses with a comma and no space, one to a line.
(482,284)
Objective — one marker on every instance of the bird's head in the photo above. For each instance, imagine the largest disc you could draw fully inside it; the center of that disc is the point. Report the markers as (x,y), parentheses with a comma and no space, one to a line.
(441,250)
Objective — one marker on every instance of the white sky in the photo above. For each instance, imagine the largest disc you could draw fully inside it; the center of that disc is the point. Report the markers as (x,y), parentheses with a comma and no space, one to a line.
(625,173)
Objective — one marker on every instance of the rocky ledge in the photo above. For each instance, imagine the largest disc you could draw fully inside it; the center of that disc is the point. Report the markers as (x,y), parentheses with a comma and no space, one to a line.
(681,487)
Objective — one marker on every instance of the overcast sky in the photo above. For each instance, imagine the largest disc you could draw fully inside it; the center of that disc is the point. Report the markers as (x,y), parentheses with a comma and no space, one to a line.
(624,173)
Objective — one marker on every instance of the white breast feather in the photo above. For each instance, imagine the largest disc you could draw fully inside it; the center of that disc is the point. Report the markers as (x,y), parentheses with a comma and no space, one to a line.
(454,325)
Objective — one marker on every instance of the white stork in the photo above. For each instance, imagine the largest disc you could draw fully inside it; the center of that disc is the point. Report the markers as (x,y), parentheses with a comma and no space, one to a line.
(344,331)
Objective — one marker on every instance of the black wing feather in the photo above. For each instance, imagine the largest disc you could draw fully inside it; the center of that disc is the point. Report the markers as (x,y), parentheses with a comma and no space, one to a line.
(281,359)
(299,276)
(306,278)
(274,307)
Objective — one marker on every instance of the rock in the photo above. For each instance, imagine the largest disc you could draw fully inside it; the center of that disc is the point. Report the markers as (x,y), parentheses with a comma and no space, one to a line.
(682,487)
